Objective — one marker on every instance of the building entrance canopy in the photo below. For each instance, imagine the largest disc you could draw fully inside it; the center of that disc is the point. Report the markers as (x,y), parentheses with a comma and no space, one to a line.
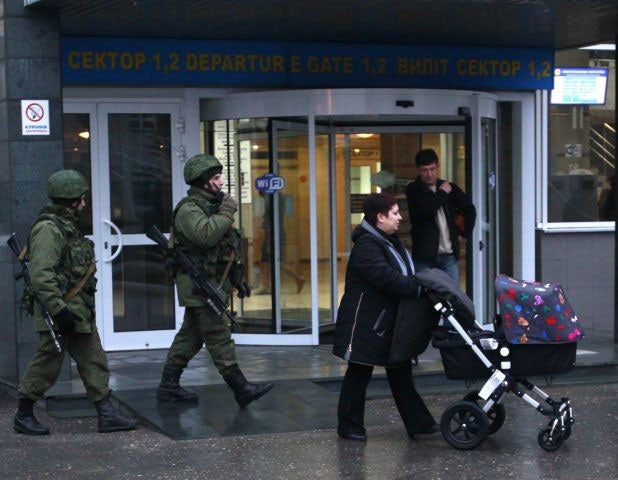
(554,24)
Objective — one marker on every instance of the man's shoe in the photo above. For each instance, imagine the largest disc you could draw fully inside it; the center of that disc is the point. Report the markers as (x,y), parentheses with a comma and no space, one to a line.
(110,420)
(169,389)
(359,437)
(26,422)
(245,392)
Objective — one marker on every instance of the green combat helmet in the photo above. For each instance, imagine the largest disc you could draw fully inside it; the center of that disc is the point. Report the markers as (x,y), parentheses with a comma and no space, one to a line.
(199,165)
(67,184)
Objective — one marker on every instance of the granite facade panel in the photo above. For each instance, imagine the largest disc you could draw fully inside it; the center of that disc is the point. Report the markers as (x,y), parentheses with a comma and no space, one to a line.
(29,69)
(3,90)
(4,121)
(35,162)
(27,203)
(35,78)
(584,264)
(32,37)
(5,164)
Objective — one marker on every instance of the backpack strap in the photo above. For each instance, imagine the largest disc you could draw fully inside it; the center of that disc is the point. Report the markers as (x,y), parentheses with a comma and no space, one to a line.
(78,287)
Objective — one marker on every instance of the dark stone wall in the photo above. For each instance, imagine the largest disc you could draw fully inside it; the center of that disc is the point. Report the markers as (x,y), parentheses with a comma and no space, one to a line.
(584,264)
(29,69)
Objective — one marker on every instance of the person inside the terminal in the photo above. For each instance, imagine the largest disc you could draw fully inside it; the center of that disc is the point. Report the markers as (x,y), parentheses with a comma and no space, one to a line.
(379,273)
(264,273)
(439,212)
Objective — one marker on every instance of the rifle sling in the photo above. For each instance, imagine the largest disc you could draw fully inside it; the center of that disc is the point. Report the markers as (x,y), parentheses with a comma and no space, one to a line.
(77,288)
(226,272)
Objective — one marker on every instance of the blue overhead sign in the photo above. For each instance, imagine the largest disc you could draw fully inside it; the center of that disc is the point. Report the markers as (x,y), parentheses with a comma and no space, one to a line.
(135,61)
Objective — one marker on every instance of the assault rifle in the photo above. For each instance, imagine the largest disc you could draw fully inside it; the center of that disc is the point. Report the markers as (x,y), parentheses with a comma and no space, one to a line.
(15,246)
(211,293)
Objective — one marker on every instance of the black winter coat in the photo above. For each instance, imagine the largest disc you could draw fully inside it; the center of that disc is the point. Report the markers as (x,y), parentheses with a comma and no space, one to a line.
(423,205)
(374,283)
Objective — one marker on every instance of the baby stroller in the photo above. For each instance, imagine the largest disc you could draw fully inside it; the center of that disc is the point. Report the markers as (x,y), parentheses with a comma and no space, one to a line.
(536,334)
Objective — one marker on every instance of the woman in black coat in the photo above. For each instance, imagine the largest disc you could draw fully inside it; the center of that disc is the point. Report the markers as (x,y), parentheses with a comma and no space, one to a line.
(379,273)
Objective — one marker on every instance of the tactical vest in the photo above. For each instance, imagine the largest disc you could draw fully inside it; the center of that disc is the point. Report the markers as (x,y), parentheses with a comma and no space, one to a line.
(77,258)
(214,259)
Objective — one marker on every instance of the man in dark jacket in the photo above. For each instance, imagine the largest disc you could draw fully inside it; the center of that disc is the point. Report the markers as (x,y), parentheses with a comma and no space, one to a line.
(433,204)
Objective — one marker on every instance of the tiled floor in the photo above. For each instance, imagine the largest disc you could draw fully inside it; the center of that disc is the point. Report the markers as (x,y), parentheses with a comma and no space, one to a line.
(142,369)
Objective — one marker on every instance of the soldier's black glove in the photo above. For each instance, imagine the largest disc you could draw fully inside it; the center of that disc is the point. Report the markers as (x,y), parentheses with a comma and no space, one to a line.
(219,196)
(65,320)
(243,290)
(228,206)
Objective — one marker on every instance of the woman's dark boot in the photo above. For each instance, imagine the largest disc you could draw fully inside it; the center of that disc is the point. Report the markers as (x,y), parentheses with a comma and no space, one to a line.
(244,391)
(110,419)
(169,389)
(25,421)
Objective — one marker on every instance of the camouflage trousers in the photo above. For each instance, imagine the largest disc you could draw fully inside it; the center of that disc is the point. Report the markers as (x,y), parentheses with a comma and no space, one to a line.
(84,348)
(201,326)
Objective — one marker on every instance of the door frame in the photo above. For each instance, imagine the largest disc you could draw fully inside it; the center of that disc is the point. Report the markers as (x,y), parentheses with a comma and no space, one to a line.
(429,106)
(103,236)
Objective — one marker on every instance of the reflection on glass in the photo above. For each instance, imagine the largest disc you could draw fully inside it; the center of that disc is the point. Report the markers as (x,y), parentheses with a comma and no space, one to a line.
(76,144)
(294,235)
(582,151)
(323,184)
(140,171)
(143,291)
(385,163)
(248,141)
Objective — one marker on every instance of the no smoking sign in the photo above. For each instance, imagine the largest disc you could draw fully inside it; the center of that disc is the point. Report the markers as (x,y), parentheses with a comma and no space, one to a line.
(35,117)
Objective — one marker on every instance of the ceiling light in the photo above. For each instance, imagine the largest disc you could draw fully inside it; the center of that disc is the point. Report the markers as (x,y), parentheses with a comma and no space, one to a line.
(255,146)
(85,134)
(364,135)
(600,46)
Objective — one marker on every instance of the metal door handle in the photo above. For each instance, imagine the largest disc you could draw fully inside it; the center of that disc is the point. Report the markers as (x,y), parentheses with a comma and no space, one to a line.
(119,234)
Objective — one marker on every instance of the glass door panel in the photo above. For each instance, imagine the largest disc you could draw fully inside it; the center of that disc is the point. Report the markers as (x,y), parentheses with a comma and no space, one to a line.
(291,229)
(275,227)
(136,165)
(140,171)
(489,221)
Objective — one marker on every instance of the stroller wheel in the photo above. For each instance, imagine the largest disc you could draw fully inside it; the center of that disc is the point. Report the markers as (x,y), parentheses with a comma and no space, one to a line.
(464,425)
(496,414)
(549,442)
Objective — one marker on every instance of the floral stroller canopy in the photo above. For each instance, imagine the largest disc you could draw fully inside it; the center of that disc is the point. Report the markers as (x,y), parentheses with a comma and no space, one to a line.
(533,312)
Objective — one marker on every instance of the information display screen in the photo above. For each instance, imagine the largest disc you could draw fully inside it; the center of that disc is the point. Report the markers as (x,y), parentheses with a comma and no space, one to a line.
(579,86)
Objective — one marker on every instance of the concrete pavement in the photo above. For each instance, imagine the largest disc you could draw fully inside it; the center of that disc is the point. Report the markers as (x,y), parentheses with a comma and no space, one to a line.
(76,451)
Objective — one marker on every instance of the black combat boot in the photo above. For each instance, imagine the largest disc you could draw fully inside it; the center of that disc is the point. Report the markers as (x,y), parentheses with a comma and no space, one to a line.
(169,389)
(110,419)
(25,421)
(244,391)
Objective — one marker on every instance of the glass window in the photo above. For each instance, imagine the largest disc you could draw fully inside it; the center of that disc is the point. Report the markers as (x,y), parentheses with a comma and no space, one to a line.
(582,149)
(140,171)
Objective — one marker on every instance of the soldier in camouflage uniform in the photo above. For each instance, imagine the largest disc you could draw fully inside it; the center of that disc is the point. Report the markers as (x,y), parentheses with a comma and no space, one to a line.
(203,230)
(62,268)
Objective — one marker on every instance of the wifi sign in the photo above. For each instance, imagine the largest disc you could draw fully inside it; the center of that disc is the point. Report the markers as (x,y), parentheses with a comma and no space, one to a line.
(269,183)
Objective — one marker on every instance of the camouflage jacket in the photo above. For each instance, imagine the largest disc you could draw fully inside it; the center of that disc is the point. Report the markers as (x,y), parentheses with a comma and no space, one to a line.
(60,257)
(210,240)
